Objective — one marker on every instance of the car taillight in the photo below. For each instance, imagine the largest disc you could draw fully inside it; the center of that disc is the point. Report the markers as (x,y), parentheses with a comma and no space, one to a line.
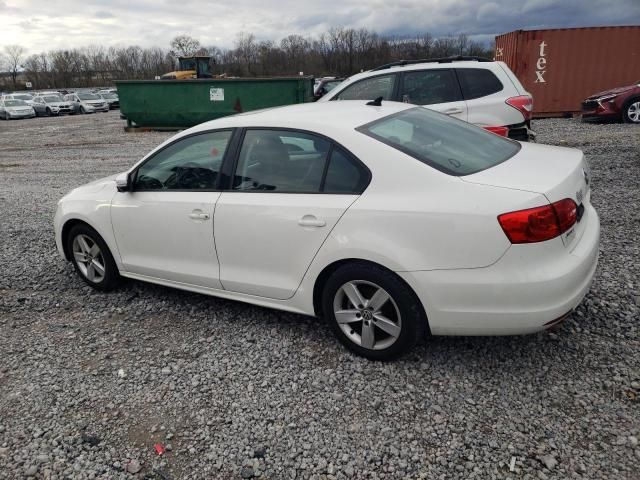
(540,223)
(502,131)
(522,103)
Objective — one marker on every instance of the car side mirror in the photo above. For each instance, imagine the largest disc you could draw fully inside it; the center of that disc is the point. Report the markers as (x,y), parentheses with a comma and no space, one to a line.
(123,182)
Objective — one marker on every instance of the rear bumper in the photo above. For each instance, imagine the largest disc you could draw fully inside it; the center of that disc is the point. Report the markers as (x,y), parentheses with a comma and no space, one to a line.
(518,294)
(521,132)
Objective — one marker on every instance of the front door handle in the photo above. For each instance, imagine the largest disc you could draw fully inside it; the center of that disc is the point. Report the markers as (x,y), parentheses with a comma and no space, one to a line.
(198,215)
(453,111)
(311,221)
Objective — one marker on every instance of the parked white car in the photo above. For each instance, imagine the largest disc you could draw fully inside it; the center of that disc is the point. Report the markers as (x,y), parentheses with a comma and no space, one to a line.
(477,90)
(389,220)
(10,109)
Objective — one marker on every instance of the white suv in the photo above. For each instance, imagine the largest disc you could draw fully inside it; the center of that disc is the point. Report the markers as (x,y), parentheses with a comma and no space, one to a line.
(473,89)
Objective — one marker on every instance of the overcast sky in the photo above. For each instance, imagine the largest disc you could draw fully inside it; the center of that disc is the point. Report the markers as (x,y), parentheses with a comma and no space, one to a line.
(50,24)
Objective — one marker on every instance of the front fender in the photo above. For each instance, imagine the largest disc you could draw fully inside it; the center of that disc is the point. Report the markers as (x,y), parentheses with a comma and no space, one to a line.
(95,212)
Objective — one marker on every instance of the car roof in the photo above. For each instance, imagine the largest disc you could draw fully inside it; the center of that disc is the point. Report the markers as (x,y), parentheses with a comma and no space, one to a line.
(424,66)
(343,114)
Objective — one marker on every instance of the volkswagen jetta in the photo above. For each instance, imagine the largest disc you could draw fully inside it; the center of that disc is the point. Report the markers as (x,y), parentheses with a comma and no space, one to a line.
(389,220)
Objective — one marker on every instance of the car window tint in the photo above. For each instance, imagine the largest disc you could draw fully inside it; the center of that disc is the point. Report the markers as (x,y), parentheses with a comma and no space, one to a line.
(478,82)
(281,161)
(189,164)
(427,87)
(343,174)
(369,89)
(447,144)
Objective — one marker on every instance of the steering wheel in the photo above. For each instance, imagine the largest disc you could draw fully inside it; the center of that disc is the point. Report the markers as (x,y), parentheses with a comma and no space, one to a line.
(149,183)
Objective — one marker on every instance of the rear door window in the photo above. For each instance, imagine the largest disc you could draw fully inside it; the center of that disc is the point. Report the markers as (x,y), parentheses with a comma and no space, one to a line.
(477,82)
(370,89)
(446,144)
(429,87)
(344,174)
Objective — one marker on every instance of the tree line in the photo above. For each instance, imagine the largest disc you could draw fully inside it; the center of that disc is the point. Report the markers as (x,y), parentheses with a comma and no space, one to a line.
(339,51)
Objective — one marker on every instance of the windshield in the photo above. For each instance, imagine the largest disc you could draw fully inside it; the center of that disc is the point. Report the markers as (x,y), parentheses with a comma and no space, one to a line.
(23,97)
(108,95)
(88,96)
(52,98)
(331,85)
(14,103)
(447,144)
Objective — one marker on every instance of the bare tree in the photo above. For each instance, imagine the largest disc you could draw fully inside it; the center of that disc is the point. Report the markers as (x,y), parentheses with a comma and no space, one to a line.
(339,51)
(14,55)
(184,45)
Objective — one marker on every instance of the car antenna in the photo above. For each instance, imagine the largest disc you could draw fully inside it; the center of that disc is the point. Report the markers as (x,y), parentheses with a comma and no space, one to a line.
(376,103)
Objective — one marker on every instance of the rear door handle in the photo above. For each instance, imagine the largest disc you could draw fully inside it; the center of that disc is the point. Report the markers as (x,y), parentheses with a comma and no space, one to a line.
(198,215)
(453,111)
(311,221)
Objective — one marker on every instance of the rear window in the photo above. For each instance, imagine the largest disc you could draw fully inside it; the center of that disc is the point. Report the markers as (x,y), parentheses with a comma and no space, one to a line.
(478,82)
(446,144)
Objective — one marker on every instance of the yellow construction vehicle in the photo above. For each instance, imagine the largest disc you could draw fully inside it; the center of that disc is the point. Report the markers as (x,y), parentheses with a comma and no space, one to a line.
(196,66)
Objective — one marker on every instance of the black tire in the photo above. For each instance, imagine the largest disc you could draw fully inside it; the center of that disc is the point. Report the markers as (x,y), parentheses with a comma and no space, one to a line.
(413,324)
(48,112)
(625,111)
(111,277)
(82,111)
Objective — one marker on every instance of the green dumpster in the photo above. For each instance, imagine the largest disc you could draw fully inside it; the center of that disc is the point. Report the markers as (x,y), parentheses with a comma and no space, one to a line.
(175,104)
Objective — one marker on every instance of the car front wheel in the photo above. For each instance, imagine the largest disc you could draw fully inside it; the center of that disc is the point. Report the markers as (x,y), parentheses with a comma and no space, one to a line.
(91,258)
(631,113)
(372,311)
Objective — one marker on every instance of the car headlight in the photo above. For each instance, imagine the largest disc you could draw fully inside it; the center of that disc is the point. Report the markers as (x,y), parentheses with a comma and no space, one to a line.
(604,98)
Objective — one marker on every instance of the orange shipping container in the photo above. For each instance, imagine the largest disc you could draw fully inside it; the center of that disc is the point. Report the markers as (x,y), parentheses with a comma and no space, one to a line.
(562,67)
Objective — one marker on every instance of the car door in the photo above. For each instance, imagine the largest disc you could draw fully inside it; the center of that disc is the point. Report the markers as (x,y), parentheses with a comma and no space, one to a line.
(164,226)
(436,89)
(288,191)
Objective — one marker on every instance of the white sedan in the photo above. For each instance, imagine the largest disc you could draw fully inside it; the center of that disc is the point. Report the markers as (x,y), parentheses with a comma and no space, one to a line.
(390,221)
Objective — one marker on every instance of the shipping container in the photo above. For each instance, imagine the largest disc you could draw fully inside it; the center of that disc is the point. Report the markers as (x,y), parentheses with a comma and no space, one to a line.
(175,104)
(561,67)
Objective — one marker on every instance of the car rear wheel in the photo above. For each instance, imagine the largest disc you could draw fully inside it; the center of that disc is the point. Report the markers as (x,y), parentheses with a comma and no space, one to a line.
(631,112)
(372,311)
(91,258)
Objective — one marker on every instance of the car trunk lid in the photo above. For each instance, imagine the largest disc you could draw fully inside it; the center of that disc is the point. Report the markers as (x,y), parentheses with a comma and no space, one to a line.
(556,173)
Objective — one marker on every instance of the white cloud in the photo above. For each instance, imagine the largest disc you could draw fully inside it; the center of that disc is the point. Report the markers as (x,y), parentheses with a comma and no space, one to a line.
(43,25)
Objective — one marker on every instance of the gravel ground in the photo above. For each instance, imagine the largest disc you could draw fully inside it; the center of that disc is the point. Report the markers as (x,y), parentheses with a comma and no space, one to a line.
(90,382)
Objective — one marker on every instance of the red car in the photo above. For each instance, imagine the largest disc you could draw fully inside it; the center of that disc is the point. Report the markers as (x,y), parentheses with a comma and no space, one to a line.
(622,103)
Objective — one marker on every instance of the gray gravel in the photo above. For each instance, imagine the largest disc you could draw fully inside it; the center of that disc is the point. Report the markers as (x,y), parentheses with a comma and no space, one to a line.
(89,382)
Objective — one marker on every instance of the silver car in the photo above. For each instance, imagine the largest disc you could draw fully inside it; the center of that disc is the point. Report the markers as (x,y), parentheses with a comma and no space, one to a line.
(25,97)
(85,102)
(51,105)
(10,109)
(111,98)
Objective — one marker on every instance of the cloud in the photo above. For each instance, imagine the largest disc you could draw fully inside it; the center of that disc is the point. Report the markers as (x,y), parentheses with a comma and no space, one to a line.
(104,14)
(154,23)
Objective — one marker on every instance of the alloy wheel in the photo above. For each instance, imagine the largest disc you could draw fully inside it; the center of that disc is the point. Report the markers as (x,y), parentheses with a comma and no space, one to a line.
(89,258)
(367,314)
(633,112)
